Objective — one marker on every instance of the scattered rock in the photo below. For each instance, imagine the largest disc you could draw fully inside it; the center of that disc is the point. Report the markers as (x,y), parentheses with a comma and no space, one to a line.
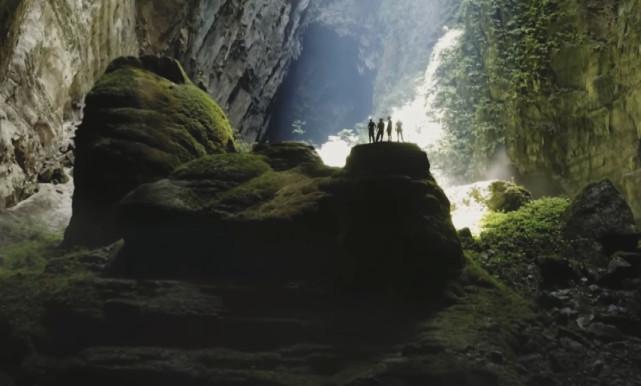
(556,272)
(605,332)
(619,269)
(53,175)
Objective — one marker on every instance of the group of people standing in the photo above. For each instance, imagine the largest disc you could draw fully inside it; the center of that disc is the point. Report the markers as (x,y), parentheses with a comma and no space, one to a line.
(380,129)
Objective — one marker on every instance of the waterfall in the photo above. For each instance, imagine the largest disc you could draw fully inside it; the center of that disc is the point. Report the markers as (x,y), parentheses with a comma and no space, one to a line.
(421,120)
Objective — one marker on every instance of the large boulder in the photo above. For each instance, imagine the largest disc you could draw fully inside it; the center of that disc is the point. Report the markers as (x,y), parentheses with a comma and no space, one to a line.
(601,214)
(143,119)
(507,196)
(238,214)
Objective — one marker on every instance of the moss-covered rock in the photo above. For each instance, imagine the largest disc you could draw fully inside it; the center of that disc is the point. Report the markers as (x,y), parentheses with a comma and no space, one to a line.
(234,214)
(143,119)
(507,197)
(283,156)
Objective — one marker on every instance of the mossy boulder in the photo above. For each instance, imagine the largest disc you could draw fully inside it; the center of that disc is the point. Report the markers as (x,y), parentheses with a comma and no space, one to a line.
(507,197)
(237,214)
(143,119)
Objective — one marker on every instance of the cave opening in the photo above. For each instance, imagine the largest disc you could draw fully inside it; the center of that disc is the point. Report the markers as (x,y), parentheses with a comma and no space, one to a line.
(326,90)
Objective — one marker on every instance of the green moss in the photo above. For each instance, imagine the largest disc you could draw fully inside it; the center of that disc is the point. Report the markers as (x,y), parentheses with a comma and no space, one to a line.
(161,113)
(285,194)
(25,246)
(531,231)
(485,313)
(230,167)
(24,297)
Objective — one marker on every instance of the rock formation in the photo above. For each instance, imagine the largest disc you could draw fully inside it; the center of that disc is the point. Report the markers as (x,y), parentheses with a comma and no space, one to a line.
(143,119)
(236,214)
(601,214)
(53,52)
(49,59)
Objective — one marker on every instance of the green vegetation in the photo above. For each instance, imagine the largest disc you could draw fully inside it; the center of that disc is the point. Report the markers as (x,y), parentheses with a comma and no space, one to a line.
(237,167)
(513,244)
(179,119)
(502,61)
(531,231)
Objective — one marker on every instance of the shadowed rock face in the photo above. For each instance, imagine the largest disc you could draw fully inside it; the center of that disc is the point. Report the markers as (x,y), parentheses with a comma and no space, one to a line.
(601,214)
(143,119)
(236,214)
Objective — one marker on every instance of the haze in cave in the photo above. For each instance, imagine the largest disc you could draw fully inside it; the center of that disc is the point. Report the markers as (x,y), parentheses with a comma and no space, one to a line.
(336,192)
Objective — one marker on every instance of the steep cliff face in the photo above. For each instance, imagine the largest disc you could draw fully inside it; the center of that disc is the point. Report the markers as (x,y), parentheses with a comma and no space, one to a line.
(565,77)
(53,51)
(51,55)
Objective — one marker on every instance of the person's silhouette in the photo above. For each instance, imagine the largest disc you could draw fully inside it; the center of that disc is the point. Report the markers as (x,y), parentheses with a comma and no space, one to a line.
(371,127)
(380,134)
(399,132)
(390,125)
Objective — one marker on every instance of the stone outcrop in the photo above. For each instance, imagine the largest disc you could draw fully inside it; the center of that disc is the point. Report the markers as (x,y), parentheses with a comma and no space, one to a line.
(601,214)
(143,119)
(235,214)
(53,52)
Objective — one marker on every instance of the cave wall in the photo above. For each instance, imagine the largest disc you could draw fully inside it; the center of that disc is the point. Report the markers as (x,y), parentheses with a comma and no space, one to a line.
(576,115)
(53,51)
(51,54)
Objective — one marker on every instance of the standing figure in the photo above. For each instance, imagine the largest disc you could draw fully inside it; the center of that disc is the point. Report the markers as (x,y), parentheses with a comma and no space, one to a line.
(380,134)
(371,127)
(399,132)
(390,125)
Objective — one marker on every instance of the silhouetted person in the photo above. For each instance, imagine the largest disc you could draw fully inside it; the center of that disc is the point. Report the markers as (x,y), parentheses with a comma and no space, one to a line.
(399,132)
(390,125)
(371,127)
(380,134)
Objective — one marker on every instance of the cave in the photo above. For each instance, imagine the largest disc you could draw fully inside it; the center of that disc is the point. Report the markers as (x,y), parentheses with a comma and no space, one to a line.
(326,90)
(207,220)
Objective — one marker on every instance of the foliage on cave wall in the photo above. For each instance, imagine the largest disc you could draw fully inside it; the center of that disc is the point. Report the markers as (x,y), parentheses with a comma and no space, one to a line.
(501,62)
